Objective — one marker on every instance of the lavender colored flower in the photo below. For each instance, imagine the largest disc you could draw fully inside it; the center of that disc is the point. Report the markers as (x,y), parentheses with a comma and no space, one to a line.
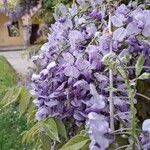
(96,14)
(145,136)
(73,82)
(122,9)
(98,128)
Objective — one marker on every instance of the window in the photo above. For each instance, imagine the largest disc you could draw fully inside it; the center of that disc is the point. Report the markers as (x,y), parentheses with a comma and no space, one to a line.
(13,29)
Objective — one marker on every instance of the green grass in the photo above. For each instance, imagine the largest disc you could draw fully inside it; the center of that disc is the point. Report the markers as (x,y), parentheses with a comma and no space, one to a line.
(11,126)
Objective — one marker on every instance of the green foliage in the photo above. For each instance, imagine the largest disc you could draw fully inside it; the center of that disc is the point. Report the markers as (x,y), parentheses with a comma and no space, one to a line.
(139,65)
(48,7)
(50,4)
(7,76)
(61,128)
(131,87)
(77,143)
(43,133)
(11,125)
(144,76)
(17,94)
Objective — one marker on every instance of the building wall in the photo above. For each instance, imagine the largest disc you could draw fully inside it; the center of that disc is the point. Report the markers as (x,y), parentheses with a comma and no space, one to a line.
(5,40)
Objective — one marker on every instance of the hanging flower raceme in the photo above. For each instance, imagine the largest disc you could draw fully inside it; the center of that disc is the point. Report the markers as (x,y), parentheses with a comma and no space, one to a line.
(73,81)
(16,10)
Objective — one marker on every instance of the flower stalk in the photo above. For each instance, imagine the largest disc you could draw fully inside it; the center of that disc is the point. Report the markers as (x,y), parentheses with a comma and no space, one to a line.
(111,101)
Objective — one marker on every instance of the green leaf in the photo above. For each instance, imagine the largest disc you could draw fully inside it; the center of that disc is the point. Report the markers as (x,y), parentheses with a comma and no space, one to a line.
(122,72)
(109,58)
(144,76)
(24,100)
(13,97)
(51,129)
(8,96)
(30,135)
(139,65)
(61,128)
(76,143)
(45,142)
(31,111)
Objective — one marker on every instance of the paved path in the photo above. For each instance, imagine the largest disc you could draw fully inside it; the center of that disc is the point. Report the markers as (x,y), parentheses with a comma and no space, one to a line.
(19,60)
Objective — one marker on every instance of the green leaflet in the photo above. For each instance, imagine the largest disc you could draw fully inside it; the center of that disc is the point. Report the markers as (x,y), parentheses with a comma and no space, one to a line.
(122,72)
(43,130)
(11,96)
(76,143)
(144,76)
(24,100)
(61,128)
(17,94)
(108,59)
(7,97)
(46,144)
(50,127)
(139,65)
(30,135)
(31,113)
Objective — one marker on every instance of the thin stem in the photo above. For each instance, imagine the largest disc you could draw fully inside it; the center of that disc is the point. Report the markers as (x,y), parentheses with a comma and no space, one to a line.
(121,130)
(122,147)
(132,108)
(111,101)
(122,113)
(144,96)
(133,67)
(120,97)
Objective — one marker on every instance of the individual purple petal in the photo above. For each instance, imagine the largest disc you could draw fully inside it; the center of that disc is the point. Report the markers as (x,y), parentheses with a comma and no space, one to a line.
(146,125)
(78,116)
(35,77)
(98,127)
(82,64)
(117,21)
(132,29)
(51,65)
(75,37)
(145,140)
(96,14)
(98,100)
(51,103)
(74,9)
(63,9)
(71,71)
(122,9)
(91,29)
(94,3)
(41,113)
(146,31)
(120,34)
(69,58)
(102,79)
(38,102)
(82,83)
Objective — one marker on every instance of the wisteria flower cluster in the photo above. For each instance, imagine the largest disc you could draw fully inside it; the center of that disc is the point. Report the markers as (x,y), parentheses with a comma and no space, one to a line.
(18,11)
(74,82)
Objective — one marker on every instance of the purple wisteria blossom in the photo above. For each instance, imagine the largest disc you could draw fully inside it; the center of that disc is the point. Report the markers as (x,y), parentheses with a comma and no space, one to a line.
(98,132)
(73,82)
(145,136)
